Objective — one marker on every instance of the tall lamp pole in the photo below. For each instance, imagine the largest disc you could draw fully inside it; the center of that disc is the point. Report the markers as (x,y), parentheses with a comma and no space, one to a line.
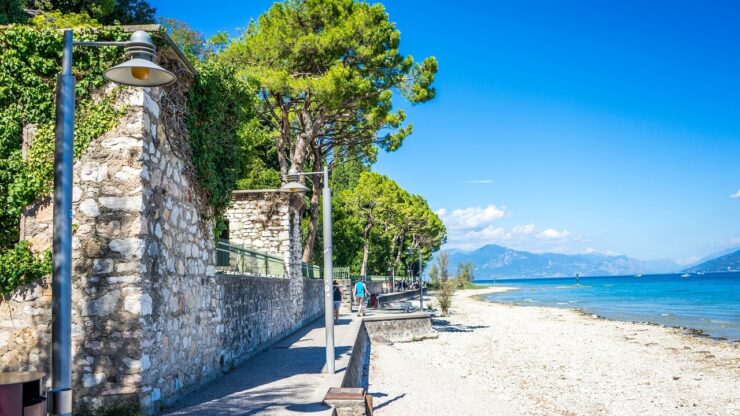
(139,71)
(421,284)
(294,186)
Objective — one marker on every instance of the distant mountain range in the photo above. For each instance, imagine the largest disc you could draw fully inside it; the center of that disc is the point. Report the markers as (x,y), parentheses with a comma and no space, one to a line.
(497,261)
(724,263)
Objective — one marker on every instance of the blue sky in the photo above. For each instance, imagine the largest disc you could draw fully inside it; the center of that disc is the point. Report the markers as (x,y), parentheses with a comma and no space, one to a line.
(566,126)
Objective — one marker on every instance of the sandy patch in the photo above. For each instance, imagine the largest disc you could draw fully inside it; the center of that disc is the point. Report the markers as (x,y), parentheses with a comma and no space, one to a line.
(496,359)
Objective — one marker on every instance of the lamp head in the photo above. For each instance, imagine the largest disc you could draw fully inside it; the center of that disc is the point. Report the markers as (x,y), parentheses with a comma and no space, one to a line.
(140,70)
(293,187)
(293,175)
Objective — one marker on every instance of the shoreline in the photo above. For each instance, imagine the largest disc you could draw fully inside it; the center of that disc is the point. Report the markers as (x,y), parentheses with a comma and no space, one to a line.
(499,358)
(687,330)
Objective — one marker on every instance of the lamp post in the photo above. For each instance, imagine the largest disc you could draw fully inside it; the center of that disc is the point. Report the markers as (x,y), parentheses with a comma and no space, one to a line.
(421,284)
(138,71)
(294,186)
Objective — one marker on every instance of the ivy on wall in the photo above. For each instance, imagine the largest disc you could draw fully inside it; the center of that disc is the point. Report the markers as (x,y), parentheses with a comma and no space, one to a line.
(221,120)
(30,60)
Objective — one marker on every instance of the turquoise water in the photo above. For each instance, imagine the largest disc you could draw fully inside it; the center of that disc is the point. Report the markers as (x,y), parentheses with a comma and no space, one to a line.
(709,302)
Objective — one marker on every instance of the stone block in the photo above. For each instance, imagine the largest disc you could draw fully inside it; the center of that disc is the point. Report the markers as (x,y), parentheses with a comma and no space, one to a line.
(128,248)
(132,203)
(121,143)
(89,380)
(104,305)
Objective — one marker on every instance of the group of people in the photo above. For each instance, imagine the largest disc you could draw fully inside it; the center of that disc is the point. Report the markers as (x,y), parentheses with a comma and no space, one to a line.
(360,294)
(407,285)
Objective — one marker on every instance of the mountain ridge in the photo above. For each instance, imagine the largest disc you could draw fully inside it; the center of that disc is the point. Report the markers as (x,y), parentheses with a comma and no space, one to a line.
(497,261)
(723,263)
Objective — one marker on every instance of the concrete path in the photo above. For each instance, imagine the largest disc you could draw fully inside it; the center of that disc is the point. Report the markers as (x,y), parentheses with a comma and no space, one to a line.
(286,379)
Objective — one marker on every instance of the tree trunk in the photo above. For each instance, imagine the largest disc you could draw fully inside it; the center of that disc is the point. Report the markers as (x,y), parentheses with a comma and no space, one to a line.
(313,224)
(398,252)
(365,250)
(397,242)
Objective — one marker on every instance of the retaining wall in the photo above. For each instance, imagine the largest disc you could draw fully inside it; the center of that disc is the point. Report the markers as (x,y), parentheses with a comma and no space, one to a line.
(151,319)
(386,328)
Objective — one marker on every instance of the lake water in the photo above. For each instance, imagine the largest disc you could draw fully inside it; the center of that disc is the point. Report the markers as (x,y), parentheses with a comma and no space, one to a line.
(709,302)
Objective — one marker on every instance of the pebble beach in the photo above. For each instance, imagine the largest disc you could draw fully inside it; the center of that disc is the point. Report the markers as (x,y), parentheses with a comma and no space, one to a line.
(498,359)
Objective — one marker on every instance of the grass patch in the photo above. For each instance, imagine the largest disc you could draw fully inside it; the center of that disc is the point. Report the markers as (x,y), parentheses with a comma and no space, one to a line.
(471,285)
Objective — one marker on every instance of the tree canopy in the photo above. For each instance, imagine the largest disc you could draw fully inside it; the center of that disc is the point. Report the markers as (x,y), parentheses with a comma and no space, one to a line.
(327,71)
(106,12)
(391,226)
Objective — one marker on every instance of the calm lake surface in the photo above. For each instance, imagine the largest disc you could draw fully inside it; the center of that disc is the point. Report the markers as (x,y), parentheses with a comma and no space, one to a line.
(709,302)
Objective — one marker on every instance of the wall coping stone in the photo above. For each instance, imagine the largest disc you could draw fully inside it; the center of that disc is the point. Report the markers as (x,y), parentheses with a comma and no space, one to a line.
(397,316)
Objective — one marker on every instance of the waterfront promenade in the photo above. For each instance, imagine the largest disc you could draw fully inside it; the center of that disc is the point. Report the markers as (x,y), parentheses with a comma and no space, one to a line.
(286,379)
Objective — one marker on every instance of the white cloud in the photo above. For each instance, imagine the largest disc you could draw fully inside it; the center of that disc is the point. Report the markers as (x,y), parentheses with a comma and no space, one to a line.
(473,227)
(523,229)
(554,234)
(729,243)
(478,181)
(470,218)
(591,250)
(687,260)
(736,194)
(523,237)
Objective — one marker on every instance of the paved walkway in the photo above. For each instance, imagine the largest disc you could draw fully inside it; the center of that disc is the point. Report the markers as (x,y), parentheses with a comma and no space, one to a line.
(286,379)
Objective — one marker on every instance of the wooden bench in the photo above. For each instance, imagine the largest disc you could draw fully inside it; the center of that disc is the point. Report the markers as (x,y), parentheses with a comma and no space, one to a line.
(349,401)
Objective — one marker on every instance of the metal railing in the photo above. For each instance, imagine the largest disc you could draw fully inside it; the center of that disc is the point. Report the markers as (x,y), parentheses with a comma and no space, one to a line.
(342,273)
(231,259)
(312,271)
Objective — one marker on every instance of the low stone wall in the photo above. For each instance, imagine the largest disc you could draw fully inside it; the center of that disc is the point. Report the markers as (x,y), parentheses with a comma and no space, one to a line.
(356,374)
(397,297)
(399,327)
(387,329)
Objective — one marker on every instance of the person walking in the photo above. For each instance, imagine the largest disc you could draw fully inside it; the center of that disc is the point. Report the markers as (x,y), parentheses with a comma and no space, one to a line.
(360,293)
(337,296)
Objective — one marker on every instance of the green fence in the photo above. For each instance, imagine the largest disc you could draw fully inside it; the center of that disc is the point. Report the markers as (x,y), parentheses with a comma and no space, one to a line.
(231,259)
(341,273)
(312,271)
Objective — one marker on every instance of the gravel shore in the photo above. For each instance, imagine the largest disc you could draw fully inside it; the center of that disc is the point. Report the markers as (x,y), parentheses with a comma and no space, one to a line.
(497,359)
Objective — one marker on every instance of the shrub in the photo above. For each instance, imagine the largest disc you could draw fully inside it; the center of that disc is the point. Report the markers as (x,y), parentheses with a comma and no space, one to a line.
(444,296)
(19,266)
(29,64)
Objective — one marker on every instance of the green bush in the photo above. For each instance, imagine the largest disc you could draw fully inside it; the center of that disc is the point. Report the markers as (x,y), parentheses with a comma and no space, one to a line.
(444,296)
(19,266)
(30,60)
(220,110)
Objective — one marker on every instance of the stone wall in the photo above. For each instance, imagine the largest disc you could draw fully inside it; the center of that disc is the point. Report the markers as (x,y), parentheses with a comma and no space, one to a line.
(109,245)
(262,220)
(151,318)
(250,303)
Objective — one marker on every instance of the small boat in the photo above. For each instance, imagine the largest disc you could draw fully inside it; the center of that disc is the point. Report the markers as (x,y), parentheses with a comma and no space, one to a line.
(638,275)
(685,275)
